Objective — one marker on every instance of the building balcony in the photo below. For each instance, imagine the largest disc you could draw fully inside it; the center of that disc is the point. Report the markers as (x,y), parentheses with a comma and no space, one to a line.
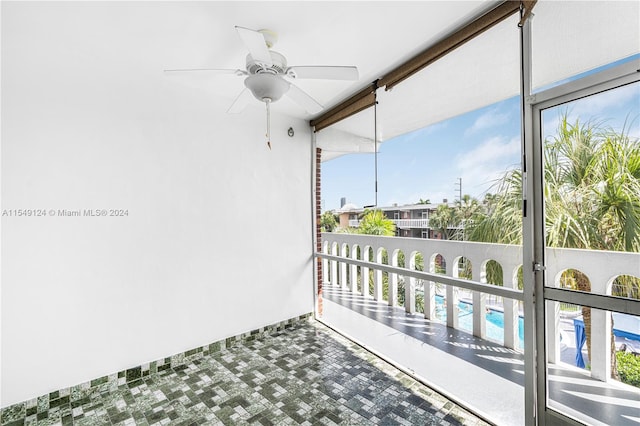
(474,330)
(400,223)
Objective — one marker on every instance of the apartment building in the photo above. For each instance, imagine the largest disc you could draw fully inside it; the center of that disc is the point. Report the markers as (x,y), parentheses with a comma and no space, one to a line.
(411,220)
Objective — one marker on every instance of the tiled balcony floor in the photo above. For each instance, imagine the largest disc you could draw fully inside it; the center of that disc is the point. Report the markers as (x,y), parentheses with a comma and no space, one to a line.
(487,377)
(304,375)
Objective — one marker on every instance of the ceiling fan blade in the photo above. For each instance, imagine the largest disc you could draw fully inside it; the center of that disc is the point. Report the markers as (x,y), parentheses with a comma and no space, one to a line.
(205,71)
(241,102)
(304,100)
(256,45)
(323,72)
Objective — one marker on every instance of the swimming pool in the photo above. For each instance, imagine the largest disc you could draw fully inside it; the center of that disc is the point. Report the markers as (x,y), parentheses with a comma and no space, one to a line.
(495,321)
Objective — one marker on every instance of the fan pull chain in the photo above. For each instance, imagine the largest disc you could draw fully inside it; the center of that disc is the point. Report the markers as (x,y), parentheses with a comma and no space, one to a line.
(268,102)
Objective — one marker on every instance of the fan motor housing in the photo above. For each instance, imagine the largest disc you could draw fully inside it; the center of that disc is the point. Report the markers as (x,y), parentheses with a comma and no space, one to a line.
(278,66)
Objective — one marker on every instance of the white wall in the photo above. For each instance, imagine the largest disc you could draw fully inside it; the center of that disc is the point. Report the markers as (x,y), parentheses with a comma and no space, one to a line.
(218,237)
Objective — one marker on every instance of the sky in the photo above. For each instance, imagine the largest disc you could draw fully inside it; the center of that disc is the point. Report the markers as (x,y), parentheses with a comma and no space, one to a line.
(478,147)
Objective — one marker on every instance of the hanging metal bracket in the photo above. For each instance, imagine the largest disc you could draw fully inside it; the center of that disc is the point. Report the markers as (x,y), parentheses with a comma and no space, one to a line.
(537,267)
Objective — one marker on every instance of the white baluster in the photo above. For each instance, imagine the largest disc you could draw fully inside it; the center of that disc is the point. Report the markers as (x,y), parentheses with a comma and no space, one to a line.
(334,265)
(365,272)
(354,270)
(377,277)
(510,307)
(393,281)
(410,287)
(343,267)
(479,306)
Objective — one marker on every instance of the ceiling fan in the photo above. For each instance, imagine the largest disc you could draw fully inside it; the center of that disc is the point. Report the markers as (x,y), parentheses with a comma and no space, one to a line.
(265,72)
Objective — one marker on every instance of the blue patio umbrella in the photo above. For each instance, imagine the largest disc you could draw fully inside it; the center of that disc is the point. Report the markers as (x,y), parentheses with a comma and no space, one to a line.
(581,337)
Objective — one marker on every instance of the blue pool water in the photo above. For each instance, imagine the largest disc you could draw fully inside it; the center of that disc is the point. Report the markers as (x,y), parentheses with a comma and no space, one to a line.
(495,321)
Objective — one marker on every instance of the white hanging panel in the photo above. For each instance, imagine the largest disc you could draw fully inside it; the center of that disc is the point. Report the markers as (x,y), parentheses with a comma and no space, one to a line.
(572,37)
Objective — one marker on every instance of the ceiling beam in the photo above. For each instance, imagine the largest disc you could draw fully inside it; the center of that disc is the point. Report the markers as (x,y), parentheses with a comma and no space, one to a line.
(353,105)
(365,98)
(449,44)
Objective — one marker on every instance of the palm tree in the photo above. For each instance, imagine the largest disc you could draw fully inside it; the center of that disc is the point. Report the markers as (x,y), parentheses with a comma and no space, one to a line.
(328,222)
(467,211)
(374,222)
(592,199)
(501,221)
(488,202)
(444,220)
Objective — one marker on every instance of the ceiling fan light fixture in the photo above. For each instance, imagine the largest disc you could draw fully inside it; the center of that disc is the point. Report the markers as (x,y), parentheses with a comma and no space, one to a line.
(265,72)
(266,86)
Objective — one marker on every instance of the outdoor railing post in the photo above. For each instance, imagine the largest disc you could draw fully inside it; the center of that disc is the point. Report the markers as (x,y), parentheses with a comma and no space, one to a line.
(429,300)
(429,289)
(479,307)
(510,307)
(410,287)
(393,281)
(343,267)
(452,307)
(354,270)
(410,295)
(334,265)
(365,272)
(451,302)
(553,331)
(377,276)
(600,344)
(552,314)
(325,262)
(393,289)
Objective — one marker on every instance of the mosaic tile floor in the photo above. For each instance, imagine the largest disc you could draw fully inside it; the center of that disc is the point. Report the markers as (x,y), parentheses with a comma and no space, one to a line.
(305,375)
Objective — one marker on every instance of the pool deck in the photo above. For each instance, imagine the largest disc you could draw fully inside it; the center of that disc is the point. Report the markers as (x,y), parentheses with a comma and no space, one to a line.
(482,375)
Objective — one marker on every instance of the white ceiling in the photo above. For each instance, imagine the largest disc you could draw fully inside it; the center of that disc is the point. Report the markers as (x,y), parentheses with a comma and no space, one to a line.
(127,43)
(374,36)
(125,46)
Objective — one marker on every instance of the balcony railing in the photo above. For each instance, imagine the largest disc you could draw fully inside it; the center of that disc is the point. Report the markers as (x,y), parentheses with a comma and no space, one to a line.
(411,223)
(400,223)
(347,257)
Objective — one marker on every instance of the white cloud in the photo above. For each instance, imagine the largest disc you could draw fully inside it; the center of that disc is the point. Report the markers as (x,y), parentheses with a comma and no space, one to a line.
(603,107)
(487,120)
(602,103)
(484,164)
(419,135)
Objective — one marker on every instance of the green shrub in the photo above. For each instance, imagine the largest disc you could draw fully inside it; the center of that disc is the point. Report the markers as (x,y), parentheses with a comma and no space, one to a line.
(628,368)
